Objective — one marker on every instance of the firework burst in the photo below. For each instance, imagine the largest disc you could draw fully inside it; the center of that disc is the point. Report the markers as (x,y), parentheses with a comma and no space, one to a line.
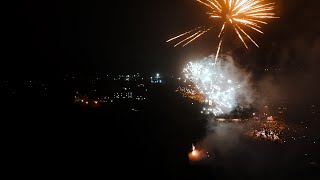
(215,83)
(237,14)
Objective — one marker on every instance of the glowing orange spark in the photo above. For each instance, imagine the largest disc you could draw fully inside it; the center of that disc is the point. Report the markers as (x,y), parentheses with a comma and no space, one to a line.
(237,14)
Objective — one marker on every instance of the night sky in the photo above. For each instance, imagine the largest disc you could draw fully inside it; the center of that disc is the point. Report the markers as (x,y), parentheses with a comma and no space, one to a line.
(49,38)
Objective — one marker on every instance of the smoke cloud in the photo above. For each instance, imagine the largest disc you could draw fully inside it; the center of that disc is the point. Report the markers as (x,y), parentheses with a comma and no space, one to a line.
(294,77)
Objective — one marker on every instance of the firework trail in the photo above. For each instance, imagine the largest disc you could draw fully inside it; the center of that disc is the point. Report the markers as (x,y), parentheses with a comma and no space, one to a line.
(237,14)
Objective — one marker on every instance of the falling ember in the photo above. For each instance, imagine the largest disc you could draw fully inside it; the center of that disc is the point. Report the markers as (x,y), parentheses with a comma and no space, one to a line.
(236,14)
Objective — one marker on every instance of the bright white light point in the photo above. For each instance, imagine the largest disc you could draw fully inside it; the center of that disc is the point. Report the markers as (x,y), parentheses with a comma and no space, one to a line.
(229,81)
(194,153)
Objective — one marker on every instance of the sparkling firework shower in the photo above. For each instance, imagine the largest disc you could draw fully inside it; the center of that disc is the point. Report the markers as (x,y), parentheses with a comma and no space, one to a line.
(218,82)
(238,14)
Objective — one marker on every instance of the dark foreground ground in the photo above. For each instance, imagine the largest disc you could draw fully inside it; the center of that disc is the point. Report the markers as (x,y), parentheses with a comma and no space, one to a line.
(49,136)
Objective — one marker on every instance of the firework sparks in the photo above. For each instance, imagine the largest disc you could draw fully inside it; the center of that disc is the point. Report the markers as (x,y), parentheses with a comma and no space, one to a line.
(215,83)
(237,14)
(272,129)
(191,93)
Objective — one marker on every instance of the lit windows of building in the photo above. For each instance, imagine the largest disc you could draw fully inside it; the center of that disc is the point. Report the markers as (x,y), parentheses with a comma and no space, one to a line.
(123,95)
(140,98)
(157,79)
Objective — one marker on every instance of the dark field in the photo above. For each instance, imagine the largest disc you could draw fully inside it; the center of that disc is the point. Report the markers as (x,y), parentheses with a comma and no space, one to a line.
(50,136)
